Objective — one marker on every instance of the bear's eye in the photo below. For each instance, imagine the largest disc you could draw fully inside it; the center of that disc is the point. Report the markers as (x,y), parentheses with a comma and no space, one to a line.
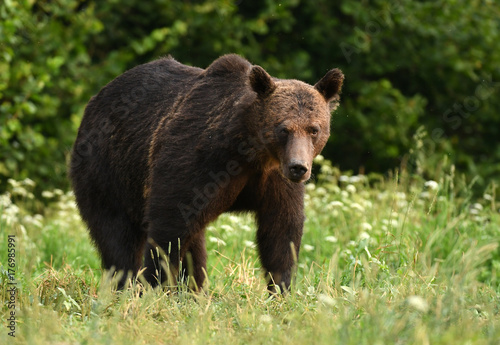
(313,131)
(284,131)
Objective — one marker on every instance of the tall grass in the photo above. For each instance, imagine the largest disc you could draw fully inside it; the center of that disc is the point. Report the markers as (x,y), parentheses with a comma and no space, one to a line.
(384,260)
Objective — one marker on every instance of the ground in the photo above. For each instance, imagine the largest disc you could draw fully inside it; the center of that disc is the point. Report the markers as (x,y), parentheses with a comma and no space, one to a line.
(385,259)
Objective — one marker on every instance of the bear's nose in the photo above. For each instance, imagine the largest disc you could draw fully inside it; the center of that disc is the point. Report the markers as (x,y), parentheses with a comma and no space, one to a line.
(297,170)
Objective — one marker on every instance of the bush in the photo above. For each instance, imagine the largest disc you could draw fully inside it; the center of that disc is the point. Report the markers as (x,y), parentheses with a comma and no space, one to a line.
(407,64)
(44,71)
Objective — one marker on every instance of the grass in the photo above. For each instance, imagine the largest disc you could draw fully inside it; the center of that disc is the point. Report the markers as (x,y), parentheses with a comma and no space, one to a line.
(384,260)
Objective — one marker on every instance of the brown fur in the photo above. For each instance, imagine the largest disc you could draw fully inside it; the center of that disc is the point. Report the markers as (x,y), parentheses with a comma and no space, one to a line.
(164,149)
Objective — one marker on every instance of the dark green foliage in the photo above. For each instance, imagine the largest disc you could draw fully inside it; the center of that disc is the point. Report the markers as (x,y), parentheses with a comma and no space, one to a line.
(46,77)
(407,63)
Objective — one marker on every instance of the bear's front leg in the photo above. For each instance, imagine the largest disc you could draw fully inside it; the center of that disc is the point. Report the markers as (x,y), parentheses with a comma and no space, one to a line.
(188,251)
(163,253)
(176,243)
(280,218)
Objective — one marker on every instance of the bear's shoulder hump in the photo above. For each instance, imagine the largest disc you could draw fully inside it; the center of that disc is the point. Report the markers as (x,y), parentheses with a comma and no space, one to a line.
(228,64)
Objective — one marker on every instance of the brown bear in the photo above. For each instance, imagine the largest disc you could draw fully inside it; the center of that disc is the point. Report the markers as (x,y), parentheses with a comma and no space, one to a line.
(165,148)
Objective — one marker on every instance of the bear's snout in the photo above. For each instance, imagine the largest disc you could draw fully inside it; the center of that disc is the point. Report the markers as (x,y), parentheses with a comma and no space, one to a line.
(297,170)
(297,160)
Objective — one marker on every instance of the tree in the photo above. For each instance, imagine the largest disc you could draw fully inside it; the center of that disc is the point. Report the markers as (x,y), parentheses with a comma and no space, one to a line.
(407,63)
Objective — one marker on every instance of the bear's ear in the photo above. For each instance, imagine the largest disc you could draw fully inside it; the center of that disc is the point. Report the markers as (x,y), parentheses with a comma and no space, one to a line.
(330,85)
(261,81)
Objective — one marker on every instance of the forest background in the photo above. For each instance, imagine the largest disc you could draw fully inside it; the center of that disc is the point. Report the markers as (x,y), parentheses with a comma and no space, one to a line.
(428,70)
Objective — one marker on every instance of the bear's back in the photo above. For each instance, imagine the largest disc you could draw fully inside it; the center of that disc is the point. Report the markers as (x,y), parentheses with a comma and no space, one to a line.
(152,85)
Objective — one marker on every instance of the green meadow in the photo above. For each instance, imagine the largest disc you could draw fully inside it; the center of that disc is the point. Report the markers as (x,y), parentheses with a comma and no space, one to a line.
(395,259)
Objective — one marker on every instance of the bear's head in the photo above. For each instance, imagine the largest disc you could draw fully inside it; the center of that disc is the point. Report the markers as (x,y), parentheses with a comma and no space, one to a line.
(294,119)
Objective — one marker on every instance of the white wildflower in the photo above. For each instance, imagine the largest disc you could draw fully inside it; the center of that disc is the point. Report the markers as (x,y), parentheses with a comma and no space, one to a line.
(487,197)
(357,207)
(400,196)
(22,228)
(391,222)
(356,179)
(367,204)
(32,220)
(234,219)
(227,227)
(382,196)
(13,183)
(334,189)
(321,191)
(327,170)
(350,188)
(366,226)
(425,195)
(344,178)
(20,191)
(29,182)
(336,203)
(217,240)
(308,248)
(432,185)
(10,214)
(418,303)
(246,228)
(331,239)
(319,159)
(310,187)
(401,203)
(5,200)
(363,236)
(250,244)
(477,206)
